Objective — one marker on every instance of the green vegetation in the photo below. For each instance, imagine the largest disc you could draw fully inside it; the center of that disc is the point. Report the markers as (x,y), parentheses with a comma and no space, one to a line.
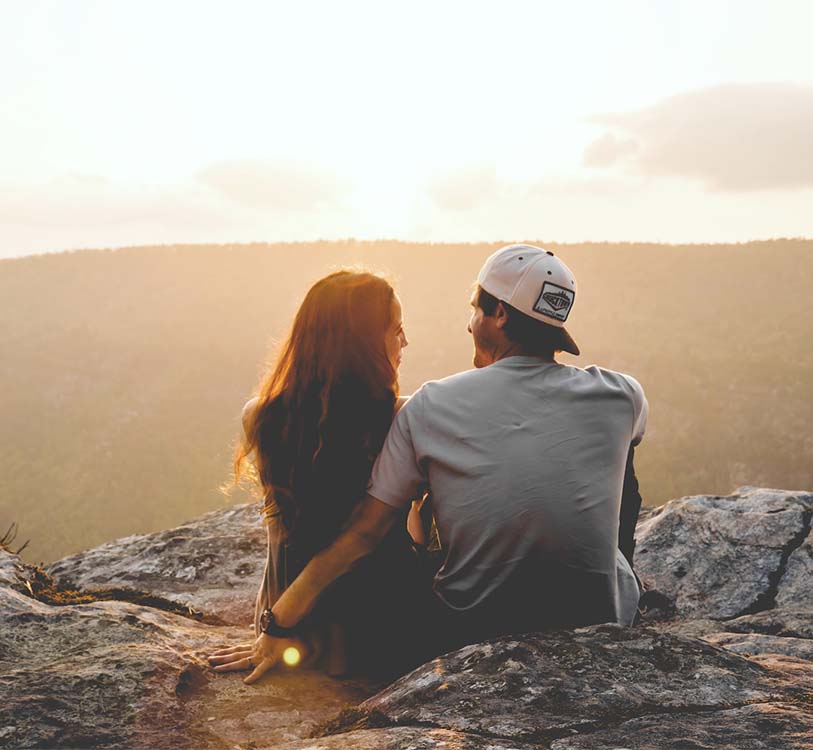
(123,373)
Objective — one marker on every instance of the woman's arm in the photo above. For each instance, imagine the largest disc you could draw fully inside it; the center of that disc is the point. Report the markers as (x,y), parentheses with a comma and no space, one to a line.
(415,525)
(268,592)
(419,520)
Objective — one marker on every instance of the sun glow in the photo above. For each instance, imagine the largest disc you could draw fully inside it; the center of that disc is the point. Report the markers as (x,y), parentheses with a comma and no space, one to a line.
(291,656)
(448,121)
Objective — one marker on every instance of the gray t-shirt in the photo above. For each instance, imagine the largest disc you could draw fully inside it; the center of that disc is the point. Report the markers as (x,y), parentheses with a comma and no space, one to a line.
(525,461)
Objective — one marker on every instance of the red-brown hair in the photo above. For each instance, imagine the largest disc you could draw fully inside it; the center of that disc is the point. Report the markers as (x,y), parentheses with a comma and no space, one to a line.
(333,367)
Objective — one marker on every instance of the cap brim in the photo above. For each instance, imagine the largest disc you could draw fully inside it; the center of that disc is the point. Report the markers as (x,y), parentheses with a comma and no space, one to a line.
(566,343)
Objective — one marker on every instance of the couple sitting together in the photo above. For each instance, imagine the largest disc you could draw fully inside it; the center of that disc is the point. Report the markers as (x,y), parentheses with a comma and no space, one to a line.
(498,500)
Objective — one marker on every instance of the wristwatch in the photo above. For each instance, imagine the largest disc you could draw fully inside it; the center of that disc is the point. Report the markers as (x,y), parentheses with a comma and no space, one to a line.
(269,626)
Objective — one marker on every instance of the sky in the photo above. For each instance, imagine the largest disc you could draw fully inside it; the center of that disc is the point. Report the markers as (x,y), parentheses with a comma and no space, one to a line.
(129,123)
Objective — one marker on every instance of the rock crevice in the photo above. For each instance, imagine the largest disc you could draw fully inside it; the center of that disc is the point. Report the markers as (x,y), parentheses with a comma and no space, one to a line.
(767,599)
(722,557)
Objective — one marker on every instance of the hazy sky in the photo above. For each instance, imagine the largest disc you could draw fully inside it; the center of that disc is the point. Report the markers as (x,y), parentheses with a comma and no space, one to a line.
(159,122)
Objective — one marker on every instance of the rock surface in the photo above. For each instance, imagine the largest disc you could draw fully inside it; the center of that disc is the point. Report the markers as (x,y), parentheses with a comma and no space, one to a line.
(213,564)
(794,589)
(752,645)
(788,623)
(406,738)
(722,557)
(112,674)
(540,687)
(766,726)
(730,666)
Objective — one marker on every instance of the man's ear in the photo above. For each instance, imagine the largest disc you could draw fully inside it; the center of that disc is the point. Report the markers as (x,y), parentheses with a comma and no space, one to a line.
(500,315)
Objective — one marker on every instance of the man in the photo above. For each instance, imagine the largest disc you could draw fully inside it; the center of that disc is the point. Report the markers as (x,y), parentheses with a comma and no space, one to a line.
(525,459)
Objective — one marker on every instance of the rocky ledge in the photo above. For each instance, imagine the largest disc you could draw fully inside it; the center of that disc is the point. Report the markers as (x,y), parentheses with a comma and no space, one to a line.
(723,657)
(211,565)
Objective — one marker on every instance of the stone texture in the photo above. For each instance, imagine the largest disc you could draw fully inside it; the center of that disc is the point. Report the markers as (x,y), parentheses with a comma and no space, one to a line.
(788,623)
(767,726)
(777,639)
(794,588)
(542,686)
(404,738)
(730,668)
(112,674)
(213,564)
(688,628)
(750,644)
(799,670)
(720,557)
(88,674)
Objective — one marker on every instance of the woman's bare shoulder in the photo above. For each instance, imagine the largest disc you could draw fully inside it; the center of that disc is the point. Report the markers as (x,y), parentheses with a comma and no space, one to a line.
(248,410)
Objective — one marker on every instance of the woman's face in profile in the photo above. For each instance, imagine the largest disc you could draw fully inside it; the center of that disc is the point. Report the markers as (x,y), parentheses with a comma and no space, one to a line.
(395,339)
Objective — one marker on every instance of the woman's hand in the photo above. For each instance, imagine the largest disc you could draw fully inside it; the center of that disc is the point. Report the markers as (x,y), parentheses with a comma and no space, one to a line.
(261,655)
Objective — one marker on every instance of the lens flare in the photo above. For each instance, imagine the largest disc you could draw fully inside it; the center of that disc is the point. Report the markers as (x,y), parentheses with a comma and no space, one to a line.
(291,656)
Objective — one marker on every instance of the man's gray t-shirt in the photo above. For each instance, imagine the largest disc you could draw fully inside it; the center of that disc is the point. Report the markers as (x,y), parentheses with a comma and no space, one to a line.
(525,461)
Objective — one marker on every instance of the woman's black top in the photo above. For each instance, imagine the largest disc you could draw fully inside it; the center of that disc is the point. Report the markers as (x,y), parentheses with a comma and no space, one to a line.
(319,474)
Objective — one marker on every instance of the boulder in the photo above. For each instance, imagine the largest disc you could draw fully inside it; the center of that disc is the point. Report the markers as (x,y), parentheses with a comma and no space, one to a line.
(765,726)
(404,738)
(212,564)
(722,557)
(725,662)
(539,687)
(785,622)
(794,588)
(751,644)
(780,640)
(113,674)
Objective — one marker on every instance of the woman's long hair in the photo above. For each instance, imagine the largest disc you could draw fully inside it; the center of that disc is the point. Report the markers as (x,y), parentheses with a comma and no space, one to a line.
(325,408)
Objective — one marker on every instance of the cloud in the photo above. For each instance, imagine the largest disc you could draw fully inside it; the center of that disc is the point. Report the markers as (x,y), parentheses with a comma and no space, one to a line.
(733,137)
(607,150)
(80,200)
(274,185)
(611,187)
(463,188)
(87,210)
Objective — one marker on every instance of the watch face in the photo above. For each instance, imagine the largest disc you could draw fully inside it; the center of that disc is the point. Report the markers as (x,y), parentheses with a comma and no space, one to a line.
(264,619)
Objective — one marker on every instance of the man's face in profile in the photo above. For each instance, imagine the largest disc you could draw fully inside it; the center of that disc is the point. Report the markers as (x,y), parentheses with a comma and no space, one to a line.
(482,330)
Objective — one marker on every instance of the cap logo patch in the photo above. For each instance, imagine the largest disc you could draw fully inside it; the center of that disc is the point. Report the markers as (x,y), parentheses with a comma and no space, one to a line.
(555,301)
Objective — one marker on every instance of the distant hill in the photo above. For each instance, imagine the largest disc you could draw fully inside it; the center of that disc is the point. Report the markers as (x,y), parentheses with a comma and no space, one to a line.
(123,372)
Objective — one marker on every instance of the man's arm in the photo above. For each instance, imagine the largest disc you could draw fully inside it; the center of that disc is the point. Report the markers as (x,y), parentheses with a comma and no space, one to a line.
(367,527)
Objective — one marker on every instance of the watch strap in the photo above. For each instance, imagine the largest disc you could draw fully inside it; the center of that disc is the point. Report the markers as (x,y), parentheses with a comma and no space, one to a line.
(274,629)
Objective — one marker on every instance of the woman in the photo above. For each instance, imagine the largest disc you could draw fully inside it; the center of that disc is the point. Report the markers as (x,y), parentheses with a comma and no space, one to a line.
(313,433)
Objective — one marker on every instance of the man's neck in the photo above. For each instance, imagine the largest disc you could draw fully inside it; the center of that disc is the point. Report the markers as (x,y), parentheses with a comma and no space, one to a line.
(513,350)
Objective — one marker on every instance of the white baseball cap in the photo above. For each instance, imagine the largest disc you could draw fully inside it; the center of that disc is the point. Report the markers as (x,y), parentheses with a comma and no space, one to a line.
(535,282)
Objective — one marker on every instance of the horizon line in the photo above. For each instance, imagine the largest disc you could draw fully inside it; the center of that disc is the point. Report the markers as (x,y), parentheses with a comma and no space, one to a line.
(394,240)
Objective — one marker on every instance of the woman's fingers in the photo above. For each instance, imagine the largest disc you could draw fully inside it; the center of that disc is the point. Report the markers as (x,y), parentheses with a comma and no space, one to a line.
(244,663)
(232,649)
(260,670)
(261,656)
(230,657)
